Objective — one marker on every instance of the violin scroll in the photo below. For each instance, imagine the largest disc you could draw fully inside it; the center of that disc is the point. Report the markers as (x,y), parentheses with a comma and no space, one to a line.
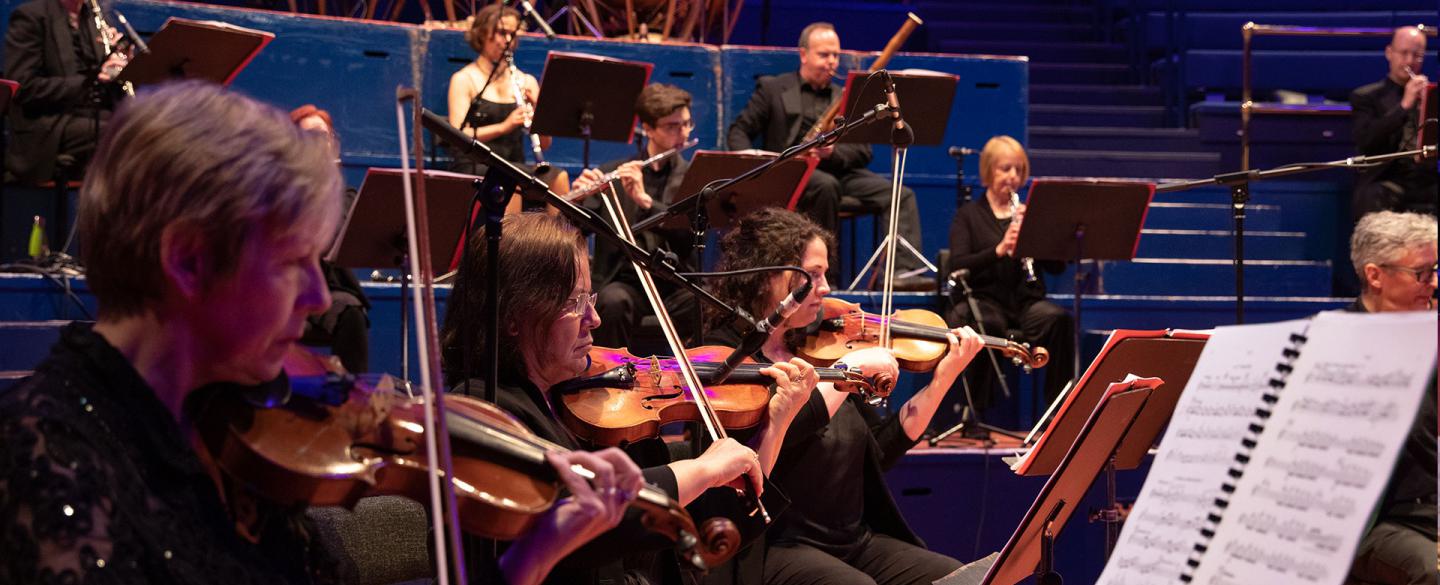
(714,543)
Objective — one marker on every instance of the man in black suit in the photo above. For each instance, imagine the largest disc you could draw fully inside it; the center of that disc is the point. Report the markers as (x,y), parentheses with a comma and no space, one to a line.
(785,106)
(66,90)
(664,112)
(1386,117)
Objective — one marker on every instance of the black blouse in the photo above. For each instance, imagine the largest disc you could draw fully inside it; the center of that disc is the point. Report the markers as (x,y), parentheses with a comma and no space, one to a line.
(98,484)
(974,233)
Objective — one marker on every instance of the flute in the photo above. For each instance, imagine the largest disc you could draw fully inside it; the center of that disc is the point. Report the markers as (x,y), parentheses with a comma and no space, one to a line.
(599,186)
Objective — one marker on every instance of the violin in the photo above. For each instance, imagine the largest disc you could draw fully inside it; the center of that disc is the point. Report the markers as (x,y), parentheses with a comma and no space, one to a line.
(363,436)
(918,338)
(622,398)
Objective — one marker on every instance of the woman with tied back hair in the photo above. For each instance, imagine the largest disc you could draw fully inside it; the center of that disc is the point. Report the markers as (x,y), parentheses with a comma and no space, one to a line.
(842,526)
(482,101)
(547,313)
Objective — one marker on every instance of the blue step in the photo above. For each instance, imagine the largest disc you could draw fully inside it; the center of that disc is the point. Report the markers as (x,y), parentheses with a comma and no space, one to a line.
(1117,138)
(1066,115)
(1093,163)
(1040,51)
(1081,73)
(1009,31)
(1007,11)
(1108,312)
(1209,216)
(26,343)
(1210,244)
(1195,277)
(1099,95)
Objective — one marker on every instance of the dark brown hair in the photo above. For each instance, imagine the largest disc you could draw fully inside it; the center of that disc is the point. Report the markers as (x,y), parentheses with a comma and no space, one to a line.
(766,237)
(483,25)
(540,256)
(658,100)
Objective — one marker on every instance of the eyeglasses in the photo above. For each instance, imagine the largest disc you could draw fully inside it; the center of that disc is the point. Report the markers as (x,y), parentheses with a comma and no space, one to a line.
(1422,275)
(674,126)
(581,304)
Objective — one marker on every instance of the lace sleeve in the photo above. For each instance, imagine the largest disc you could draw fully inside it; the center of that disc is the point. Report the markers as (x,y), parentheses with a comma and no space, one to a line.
(55,506)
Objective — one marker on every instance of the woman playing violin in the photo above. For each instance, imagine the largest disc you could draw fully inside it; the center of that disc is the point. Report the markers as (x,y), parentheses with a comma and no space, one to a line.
(983,235)
(842,525)
(202,249)
(547,314)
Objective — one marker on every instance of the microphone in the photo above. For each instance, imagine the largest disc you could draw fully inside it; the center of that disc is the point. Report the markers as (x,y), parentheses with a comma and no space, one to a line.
(756,338)
(958,152)
(959,277)
(529,11)
(902,135)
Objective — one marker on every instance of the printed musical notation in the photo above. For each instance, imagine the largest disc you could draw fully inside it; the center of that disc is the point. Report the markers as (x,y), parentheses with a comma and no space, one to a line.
(1276,561)
(1340,472)
(1290,531)
(1363,409)
(1358,375)
(1301,499)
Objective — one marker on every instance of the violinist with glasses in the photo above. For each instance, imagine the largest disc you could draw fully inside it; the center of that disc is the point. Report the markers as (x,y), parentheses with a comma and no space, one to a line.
(843,525)
(547,315)
(104,476)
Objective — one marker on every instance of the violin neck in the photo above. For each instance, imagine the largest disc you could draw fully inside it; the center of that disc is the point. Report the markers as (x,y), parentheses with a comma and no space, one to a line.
(906,330)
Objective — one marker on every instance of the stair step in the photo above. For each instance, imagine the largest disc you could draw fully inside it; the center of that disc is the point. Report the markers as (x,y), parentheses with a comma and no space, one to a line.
(1180,276)
(1007,11)
(1099,95)
(1202,244)
(1008,31)
(27,343)
(1110,163)
(1087,115)
(1041,51)
(1117,138)
(1210,216)
(1081,73)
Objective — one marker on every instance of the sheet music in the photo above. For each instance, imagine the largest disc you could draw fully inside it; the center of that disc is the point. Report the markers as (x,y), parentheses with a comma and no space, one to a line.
(1218,404)
(1326,453)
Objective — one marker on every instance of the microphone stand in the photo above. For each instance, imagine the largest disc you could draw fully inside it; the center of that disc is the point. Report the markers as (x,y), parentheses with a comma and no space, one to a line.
(1239,185)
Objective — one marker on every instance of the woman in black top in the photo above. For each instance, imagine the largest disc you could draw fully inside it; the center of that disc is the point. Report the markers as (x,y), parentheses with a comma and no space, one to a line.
(982,240)
(482,98)
(842,525)
(547,312)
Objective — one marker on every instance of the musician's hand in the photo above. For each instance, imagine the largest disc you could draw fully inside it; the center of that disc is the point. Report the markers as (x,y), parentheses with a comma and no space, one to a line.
(112,67)
(592,508)
(633,178)
(824,152)
(1006,247)
(964,344)
(515,120)
(587,179)
(727,463)
(793,382)
(1413,90)
(872,362)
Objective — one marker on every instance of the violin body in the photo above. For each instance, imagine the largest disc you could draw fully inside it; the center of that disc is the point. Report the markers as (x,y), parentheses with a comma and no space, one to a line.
(657,396)
(850,328)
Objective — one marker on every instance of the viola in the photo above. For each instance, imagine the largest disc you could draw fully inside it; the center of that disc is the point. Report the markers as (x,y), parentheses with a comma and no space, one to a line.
(622,398)
(918,338)
(363,436)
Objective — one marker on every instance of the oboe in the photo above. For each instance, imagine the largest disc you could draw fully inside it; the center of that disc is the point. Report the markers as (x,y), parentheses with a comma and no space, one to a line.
(107,33)
(517,86)
(1027,263)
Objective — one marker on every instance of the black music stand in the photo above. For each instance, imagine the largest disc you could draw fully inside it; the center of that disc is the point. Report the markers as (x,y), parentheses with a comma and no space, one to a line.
(8,88)
(589,97)
(925,100)
(1079,219)
(781,186)
(1429,130)
(195,49)
(1030,550)
(373,234)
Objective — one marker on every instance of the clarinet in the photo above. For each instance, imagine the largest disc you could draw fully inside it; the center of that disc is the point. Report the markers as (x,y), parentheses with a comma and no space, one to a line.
(108,39)
(517,86)
(1027,263)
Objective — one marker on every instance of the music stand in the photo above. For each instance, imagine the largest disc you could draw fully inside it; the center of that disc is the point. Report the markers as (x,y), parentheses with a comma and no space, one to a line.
(195,49)
(1080,219)
(1030,549)
(1165,354)
(1429,129)
(779,187)
(373,233)
(589,97)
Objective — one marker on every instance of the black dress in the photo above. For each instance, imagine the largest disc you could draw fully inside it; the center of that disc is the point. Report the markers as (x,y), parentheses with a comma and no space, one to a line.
(98,484)
(509,146)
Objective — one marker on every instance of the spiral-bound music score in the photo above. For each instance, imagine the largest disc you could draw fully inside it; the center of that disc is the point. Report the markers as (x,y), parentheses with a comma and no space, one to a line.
(1279,450)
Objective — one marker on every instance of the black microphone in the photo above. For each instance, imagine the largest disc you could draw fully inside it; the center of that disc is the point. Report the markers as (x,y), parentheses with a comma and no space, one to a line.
(902,135)
(958,152)
(529,11)
(756,338)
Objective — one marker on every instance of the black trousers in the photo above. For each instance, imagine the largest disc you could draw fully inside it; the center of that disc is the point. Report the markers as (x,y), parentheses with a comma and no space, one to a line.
(884,561)
(1393,552)
(622,305)
(1041,323)
(821,201)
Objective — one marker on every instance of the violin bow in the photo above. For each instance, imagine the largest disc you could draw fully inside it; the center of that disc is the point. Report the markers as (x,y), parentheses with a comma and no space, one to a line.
(437,436)
(711,420)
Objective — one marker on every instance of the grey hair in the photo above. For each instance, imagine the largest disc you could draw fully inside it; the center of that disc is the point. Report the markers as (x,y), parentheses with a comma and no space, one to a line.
(810,29)
(1385,236)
